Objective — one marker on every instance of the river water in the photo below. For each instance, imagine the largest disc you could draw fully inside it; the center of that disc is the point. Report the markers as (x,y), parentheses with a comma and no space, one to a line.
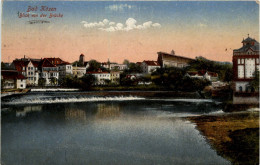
(64,128)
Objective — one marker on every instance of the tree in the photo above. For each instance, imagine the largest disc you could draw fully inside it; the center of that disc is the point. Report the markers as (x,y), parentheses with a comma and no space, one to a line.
(126,62)
(94,65)
(87,81)
(255,82)
(54,81)
(41,82)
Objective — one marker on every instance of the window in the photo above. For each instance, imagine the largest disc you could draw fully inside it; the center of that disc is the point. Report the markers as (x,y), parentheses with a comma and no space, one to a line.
(21,85)
(242,61)
(257,60)
(238,61)
(240,89)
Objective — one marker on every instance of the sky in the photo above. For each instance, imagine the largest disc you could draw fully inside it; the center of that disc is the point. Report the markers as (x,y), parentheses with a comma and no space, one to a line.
(133,30)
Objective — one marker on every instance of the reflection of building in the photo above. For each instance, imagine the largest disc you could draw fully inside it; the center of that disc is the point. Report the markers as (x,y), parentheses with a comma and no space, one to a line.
(75,114)
(12,79)
(106,111)
(172,60)
(28,109)
(245,64)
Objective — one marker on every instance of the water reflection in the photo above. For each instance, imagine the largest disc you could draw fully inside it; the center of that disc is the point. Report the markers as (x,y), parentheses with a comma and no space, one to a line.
(107,111)
(28,109)
(103,133)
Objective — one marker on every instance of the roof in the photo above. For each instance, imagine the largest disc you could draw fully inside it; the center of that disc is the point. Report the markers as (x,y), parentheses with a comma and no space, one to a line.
(173,55)
(139,63)
(151,63)
(19,64)
(65,63)
(46,63)
(55,61)
(248,43)
(11,74)
(81,54)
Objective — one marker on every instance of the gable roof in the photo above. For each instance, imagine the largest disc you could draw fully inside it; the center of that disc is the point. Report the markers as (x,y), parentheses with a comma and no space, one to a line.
(55,61)
(46,63)
(151,63)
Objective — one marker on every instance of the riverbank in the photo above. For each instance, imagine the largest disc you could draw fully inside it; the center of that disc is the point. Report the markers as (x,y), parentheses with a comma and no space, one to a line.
(235,136)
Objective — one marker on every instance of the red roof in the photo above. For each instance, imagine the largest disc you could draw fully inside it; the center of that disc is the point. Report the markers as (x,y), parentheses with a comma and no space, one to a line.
(19,64)
(139,63)
(152,63)
(11,74)
(55,61)
(46,63)
(65,63)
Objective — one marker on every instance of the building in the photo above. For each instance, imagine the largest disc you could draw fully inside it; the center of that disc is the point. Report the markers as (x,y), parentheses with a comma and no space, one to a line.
(101,78)
(49,71)
(65,69)
(29,69)
(12,79)
(117,67)
(115,77)
(78,71)
(211,76)
(149,66)
(172,60)
(245,64)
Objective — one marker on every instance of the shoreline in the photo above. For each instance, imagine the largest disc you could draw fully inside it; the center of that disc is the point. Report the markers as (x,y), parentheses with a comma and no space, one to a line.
(234,136)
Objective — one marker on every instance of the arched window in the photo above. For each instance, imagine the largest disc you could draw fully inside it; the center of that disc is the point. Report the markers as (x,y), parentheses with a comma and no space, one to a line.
(247,89)
(252,89)
(240,89)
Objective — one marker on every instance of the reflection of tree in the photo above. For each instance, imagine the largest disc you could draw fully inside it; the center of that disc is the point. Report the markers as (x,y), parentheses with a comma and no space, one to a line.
(75,114)
(106,111)
(28,109)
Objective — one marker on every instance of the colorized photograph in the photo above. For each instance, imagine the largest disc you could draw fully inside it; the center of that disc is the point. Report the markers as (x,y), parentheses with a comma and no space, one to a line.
(129,82)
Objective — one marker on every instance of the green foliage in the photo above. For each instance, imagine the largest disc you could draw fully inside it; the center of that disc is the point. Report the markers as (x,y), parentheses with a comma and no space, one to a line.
(84,82)
(224,70)
(41,82)
(54,81)
(175,79)
(133,68)
(126,62)
(255,82)
(77,63)
(94,65)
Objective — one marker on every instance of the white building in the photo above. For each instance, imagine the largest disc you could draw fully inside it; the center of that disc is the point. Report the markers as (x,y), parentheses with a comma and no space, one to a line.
(65,69)
(49,72)
(78,71)
(101,78)
(149,66)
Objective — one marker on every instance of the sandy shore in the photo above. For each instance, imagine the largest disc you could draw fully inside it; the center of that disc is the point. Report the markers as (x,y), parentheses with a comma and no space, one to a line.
(235,136)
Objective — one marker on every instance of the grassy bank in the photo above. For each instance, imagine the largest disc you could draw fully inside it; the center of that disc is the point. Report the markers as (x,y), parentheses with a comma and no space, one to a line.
(234,136)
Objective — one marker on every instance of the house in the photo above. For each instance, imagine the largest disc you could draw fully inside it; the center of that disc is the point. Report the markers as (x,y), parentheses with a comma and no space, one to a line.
(28,68)
(12,79)
(117,67)
(202,74)
(172,60)
(245,64)
(149,66)
(49,71)
(101,78)
(78,71)
(65,69)
(115,77)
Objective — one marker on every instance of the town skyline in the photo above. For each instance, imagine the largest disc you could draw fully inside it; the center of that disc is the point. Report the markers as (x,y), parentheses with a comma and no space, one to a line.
(128,30)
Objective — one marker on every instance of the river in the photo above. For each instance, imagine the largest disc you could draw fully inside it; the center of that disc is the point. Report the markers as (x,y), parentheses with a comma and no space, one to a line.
(73,128)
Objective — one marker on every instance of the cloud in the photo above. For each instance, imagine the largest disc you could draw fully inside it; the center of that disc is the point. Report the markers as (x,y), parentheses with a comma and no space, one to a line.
(202,25)
(130,24)
(119,7)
